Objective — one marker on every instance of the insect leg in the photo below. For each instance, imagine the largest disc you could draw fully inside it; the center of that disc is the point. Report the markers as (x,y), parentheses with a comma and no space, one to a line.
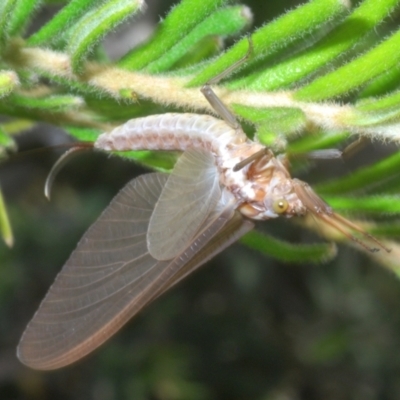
(354,147)
(215,101)
(324,154)
(261,153)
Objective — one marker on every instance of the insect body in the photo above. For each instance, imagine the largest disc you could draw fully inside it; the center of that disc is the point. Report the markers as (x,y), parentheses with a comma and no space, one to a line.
(261,189)
(257,188)
(160,228)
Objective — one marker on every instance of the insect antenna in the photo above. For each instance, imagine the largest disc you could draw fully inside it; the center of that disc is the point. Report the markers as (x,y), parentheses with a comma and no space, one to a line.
(337,222)
(72,152)
(320,209)
(356,228)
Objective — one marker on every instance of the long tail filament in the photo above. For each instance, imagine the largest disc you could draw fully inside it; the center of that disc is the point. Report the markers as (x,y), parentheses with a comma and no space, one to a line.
(61,162)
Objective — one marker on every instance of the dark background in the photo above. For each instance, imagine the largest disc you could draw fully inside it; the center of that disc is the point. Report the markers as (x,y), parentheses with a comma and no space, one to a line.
(242,327)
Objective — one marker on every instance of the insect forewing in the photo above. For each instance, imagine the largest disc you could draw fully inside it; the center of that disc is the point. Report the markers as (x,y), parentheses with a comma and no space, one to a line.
(230,231)
(111,275)
(192,191)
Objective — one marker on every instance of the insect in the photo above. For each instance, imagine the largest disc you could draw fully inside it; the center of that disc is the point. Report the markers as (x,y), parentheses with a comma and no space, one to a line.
(160,228)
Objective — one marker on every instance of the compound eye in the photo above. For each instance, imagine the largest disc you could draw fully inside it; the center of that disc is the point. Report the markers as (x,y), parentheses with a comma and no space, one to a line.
(280,206)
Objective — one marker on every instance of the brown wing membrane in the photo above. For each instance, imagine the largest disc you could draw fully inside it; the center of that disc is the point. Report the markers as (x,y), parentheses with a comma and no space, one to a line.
(230,230)
(111,276)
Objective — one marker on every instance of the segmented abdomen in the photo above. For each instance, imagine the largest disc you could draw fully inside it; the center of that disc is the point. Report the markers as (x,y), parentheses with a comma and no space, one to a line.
(171,132)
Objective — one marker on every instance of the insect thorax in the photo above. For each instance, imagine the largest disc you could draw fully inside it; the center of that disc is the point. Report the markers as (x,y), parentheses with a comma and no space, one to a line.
(264,189)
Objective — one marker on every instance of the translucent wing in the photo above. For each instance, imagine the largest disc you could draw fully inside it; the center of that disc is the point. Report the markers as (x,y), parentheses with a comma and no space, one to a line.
(191,192)
(231,230)
(111,275)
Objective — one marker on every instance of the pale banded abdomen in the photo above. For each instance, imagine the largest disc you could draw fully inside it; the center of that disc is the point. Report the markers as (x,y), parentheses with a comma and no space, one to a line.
(171,132)
(181,132)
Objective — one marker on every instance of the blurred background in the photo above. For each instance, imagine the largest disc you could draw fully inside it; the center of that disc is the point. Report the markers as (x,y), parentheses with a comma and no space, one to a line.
(242,327)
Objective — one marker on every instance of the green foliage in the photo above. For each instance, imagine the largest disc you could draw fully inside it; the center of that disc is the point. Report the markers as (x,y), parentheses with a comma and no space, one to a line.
(62,21)
(289,253)
(319,51)
(272,121)
(363,177)
(94,25)
(277,35)
(181,21)
(6,8)
(352,75)
(224,22)
(5,227)
(353,29)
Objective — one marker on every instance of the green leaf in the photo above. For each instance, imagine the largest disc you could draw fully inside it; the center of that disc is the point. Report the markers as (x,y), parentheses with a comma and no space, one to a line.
(93,26)
(390,102)
(361,21)
(287,252)
(386,116)
(363,177)
(70,84)
(273,121)
(354,74)
(5,226)
(6,9)
(16,126)
(199,53)
(162,161)
(49,103)
(60,22)
(378,204)
(23,13)
(83,134)
(275,35)
(382,84)
(225,21)
(179,22)
(317,141)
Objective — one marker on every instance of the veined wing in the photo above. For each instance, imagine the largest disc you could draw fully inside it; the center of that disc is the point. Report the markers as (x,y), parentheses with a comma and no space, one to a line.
(230,231)
(111,276)
(192,191)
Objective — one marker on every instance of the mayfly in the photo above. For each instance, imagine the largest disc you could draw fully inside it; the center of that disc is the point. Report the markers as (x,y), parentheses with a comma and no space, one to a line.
(160,228)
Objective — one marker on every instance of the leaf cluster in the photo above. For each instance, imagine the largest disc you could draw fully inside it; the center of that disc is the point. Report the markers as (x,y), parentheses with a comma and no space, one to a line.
(318,74)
